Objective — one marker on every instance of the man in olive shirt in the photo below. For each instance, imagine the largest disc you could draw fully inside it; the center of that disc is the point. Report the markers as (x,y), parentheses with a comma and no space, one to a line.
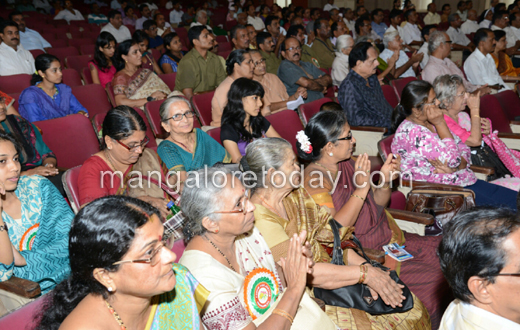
(322,46)
(199,70)
(307,55)
(265,43)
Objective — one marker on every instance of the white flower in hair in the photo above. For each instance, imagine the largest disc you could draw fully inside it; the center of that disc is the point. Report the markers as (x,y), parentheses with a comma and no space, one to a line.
(305,145)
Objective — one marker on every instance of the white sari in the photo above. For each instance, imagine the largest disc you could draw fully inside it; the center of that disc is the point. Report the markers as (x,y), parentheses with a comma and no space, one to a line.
(226,307)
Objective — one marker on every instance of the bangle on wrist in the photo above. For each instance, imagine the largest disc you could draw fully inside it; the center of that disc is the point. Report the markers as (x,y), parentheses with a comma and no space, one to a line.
(283,314)
(354,195)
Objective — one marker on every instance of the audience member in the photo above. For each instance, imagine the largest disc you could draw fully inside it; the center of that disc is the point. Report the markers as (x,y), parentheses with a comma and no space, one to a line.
(102,69)
(242,18)
(251,34)
(48,97)
(446,11)
(478,256)
(187,17)
(199,70)
(116,28)
(404,67)
(459,41)
(146,14)
(336,30)
(486,21)
(430,153)
(169,61)
(411,34)
(154,40)
(254,20)
(432,17)
(329,5)
(95,17)
(364,29)
(201,19)
(163,27)
(238,64)
(470,25)
(514,18)
(176,14)
(272,25)
(130,275)
(349,19)
(298,32)
(503,62)
(44,5)
(378,26)
(500,22)
(461,10)
(395,22)
(322,46)
(361,11)
(29,38)
(14,58)
(360,94)
(333,17)
(265,43)
(69,13)
(426,31)
(340,66)
(239,37)
(275,94)
(9,101)
(295,73)
(480,67)
(143,40)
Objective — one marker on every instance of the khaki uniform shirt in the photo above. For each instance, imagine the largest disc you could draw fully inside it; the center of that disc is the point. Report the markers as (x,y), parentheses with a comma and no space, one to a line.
(198,73)
(308,56)
(272,62)
(324,51)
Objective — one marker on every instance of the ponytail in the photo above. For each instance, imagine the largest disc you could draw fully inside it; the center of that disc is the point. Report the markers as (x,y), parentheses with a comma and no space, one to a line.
(42,63)
(36,78)
(398,116)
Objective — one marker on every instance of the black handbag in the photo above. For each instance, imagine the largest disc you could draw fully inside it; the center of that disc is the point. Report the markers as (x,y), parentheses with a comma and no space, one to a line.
(485,156)
(358,296)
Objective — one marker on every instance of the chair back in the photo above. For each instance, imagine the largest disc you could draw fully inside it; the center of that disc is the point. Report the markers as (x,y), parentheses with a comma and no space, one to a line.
(169,79)
(156,54)
(215,134)
(110,93)
(490,108)
(385,146)
(225,46)
(88,49)
(399,84)
(15,83)
(287,124)
(71,138)
(71,77)
(36,52)
(224,54)
(94,105)
(510,103)
(390,96)
(59,43)
(77,42)
(24,317)
(78,62)
(70,185)
(152,144)
(201,103)
(62,52)
(16,97)
(86,76)
(307,110)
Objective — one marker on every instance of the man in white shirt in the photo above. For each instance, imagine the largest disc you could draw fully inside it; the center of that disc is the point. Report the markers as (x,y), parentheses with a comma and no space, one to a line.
(29,39)
(411,34)
(461,10)
(471,25)
(14,59)
(116,27)
(201,19)
(146,15)
(254,20)
(459,41)
(330,5)
(42,4)
(404,67)
(425,32)
(514,19)
(480,66)
(479,254)
(432,17)
(69,13)
(500,22)
(163,27)
(395,22)
(176,14)
(349,19)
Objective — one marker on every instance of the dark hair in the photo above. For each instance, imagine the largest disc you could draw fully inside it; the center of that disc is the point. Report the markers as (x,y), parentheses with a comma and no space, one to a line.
(471,245)
(112,14)
(499,34)
(324,127)
(426,30)
(498,15)
(414,95)
(122,49)
(318,23)
(237,56)
(446,5)
(513,16)
(234,29)
(293,30)
(360,21)
(157,14)
(460,3)
(127,8)
(148,24)
(103,39)
(167,40)
(359,53)
(333,27)
(194,32)
(500,7)
(14,13)
(121,122)
(42,62)
(331,106)
(358,9)
(480,35)
(4,136)
(261,36)
(408,13)
(314,11)
(4,24)
(234,113)
(269,20)
(141,7)
(376,11)
(101,234)
(394,13)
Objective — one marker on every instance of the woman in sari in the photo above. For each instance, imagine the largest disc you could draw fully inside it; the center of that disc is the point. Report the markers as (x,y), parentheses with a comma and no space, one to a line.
(34,226)
(230,258)
(126,280)
(329,150)
(281,210)
(134,86)
(186,149)
(48,98)
(123,159)
(502,60)
(147,60)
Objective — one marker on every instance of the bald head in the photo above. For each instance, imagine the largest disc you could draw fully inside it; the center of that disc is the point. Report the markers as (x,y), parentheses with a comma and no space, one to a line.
(472,15)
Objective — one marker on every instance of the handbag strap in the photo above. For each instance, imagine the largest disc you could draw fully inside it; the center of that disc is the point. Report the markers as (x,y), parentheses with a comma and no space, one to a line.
(337,253)
(364,255)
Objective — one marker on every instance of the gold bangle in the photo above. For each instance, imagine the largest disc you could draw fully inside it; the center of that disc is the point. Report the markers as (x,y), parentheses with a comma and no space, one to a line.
(353,195)
(283,314)
(477,116)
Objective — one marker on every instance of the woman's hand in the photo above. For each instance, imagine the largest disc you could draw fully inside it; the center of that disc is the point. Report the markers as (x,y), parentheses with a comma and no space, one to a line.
(392,165)
(159,95)
(295,266)
(393,59)
(307,252)
(49,170)
(362,165)
(434,114)
(440,167)
(473,104)
(485,125)
(381,284)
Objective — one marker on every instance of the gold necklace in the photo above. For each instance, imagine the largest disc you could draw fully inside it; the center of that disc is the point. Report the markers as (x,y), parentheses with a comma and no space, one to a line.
(109,158)
(270,207)
(116,316)
(222,253)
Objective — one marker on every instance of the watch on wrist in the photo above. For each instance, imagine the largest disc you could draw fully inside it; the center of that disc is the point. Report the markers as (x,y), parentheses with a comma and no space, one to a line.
(150,99)
(4,227)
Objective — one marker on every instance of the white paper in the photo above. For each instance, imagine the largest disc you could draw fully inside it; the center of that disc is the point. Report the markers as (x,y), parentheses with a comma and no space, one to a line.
(293,105)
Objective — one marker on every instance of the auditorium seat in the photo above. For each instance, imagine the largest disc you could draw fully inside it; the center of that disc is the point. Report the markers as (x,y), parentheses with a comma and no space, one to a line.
(202,105)
(15,83)
(93,98)
(71,77)
(308,110)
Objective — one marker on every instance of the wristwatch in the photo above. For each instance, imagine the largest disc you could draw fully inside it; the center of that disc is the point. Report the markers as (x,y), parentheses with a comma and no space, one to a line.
(4,227)
(150,99)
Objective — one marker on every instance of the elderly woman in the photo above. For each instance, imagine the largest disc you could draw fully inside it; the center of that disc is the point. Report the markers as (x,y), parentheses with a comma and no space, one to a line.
(123,281)
(404,67)
(281,211)
(502,60)
(186,149)
(229,257)
(34,225)
(242,121)
(453,97)
(339,72)
(275,97)
(123,158)
(431,153)
(361,206)
(134,86)
(48,97)
(102,70)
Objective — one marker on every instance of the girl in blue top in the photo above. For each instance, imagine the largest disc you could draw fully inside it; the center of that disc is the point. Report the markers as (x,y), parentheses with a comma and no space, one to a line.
(169,61)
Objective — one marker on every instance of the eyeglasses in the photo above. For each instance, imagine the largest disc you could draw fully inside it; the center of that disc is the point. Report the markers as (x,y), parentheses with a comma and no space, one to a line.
(294,48)
(142,144)
(259,62)
(347,138)
(448,42)
(153,260)
(187,114)
(243,206)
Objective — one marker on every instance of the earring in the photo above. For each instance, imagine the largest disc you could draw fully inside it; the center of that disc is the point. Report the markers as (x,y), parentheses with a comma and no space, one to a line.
(109,289)
(331,154)
(109,148)
(216,231)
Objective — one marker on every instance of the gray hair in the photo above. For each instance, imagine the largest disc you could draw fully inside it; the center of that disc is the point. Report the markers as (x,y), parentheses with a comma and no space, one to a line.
(199,13)
(446,89)
(262,155)
(364,39)
(343,42)
(201,198)
(452,17)
(164,110)
(388,37)
(436,39)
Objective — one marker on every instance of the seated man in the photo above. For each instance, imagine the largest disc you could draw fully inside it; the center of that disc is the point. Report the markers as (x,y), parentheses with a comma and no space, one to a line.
(176,14)
(432,17)
(471,24)
(333,14)
(404,67)
(146,15)
(350,20)
(251,34)
(14,59)
(459,41)
(29,38)
(272,25)
(116,28)
(187,17)
(426,31)
(395,22)
(239,37)
(360,94)
(201,18)
(322,46)
(363,28)
(163,27)
(298,32)
(95,17)
(266,47)
(330,5)
(461,10)
(479,255)
(154,41)
(295,73)
(480,67)
(199,70)
(254,20)
(500,22)
(411,33)
(378,26)
(69,13)
(337,29)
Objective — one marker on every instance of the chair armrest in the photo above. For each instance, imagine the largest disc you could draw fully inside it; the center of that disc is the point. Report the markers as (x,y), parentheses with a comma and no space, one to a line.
(515,136)
(373,254)
(430,185)
(21,287)
(482,169)
(369,129)
(421,218)
(514,122)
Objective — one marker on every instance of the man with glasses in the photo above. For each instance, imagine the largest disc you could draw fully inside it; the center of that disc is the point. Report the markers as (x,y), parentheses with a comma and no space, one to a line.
(154,41)
(363,28)
(115,26)
(265,43)
(479,255)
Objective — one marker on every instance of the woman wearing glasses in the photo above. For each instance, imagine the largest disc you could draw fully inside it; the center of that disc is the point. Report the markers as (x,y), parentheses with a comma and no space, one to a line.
(123,158)
(186,149)
(126,280)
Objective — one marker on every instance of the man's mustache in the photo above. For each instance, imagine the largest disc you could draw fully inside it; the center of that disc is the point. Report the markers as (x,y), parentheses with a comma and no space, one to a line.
(15,39)
(296,54)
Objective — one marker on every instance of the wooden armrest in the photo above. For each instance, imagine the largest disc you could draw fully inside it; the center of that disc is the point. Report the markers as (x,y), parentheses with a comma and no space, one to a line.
(62,169)
(320,303)
(514,122)
(482,169)
(430,185)
(507,79)
(21,287)
(509,135)
(373,254)
(369,129)
(421,218)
